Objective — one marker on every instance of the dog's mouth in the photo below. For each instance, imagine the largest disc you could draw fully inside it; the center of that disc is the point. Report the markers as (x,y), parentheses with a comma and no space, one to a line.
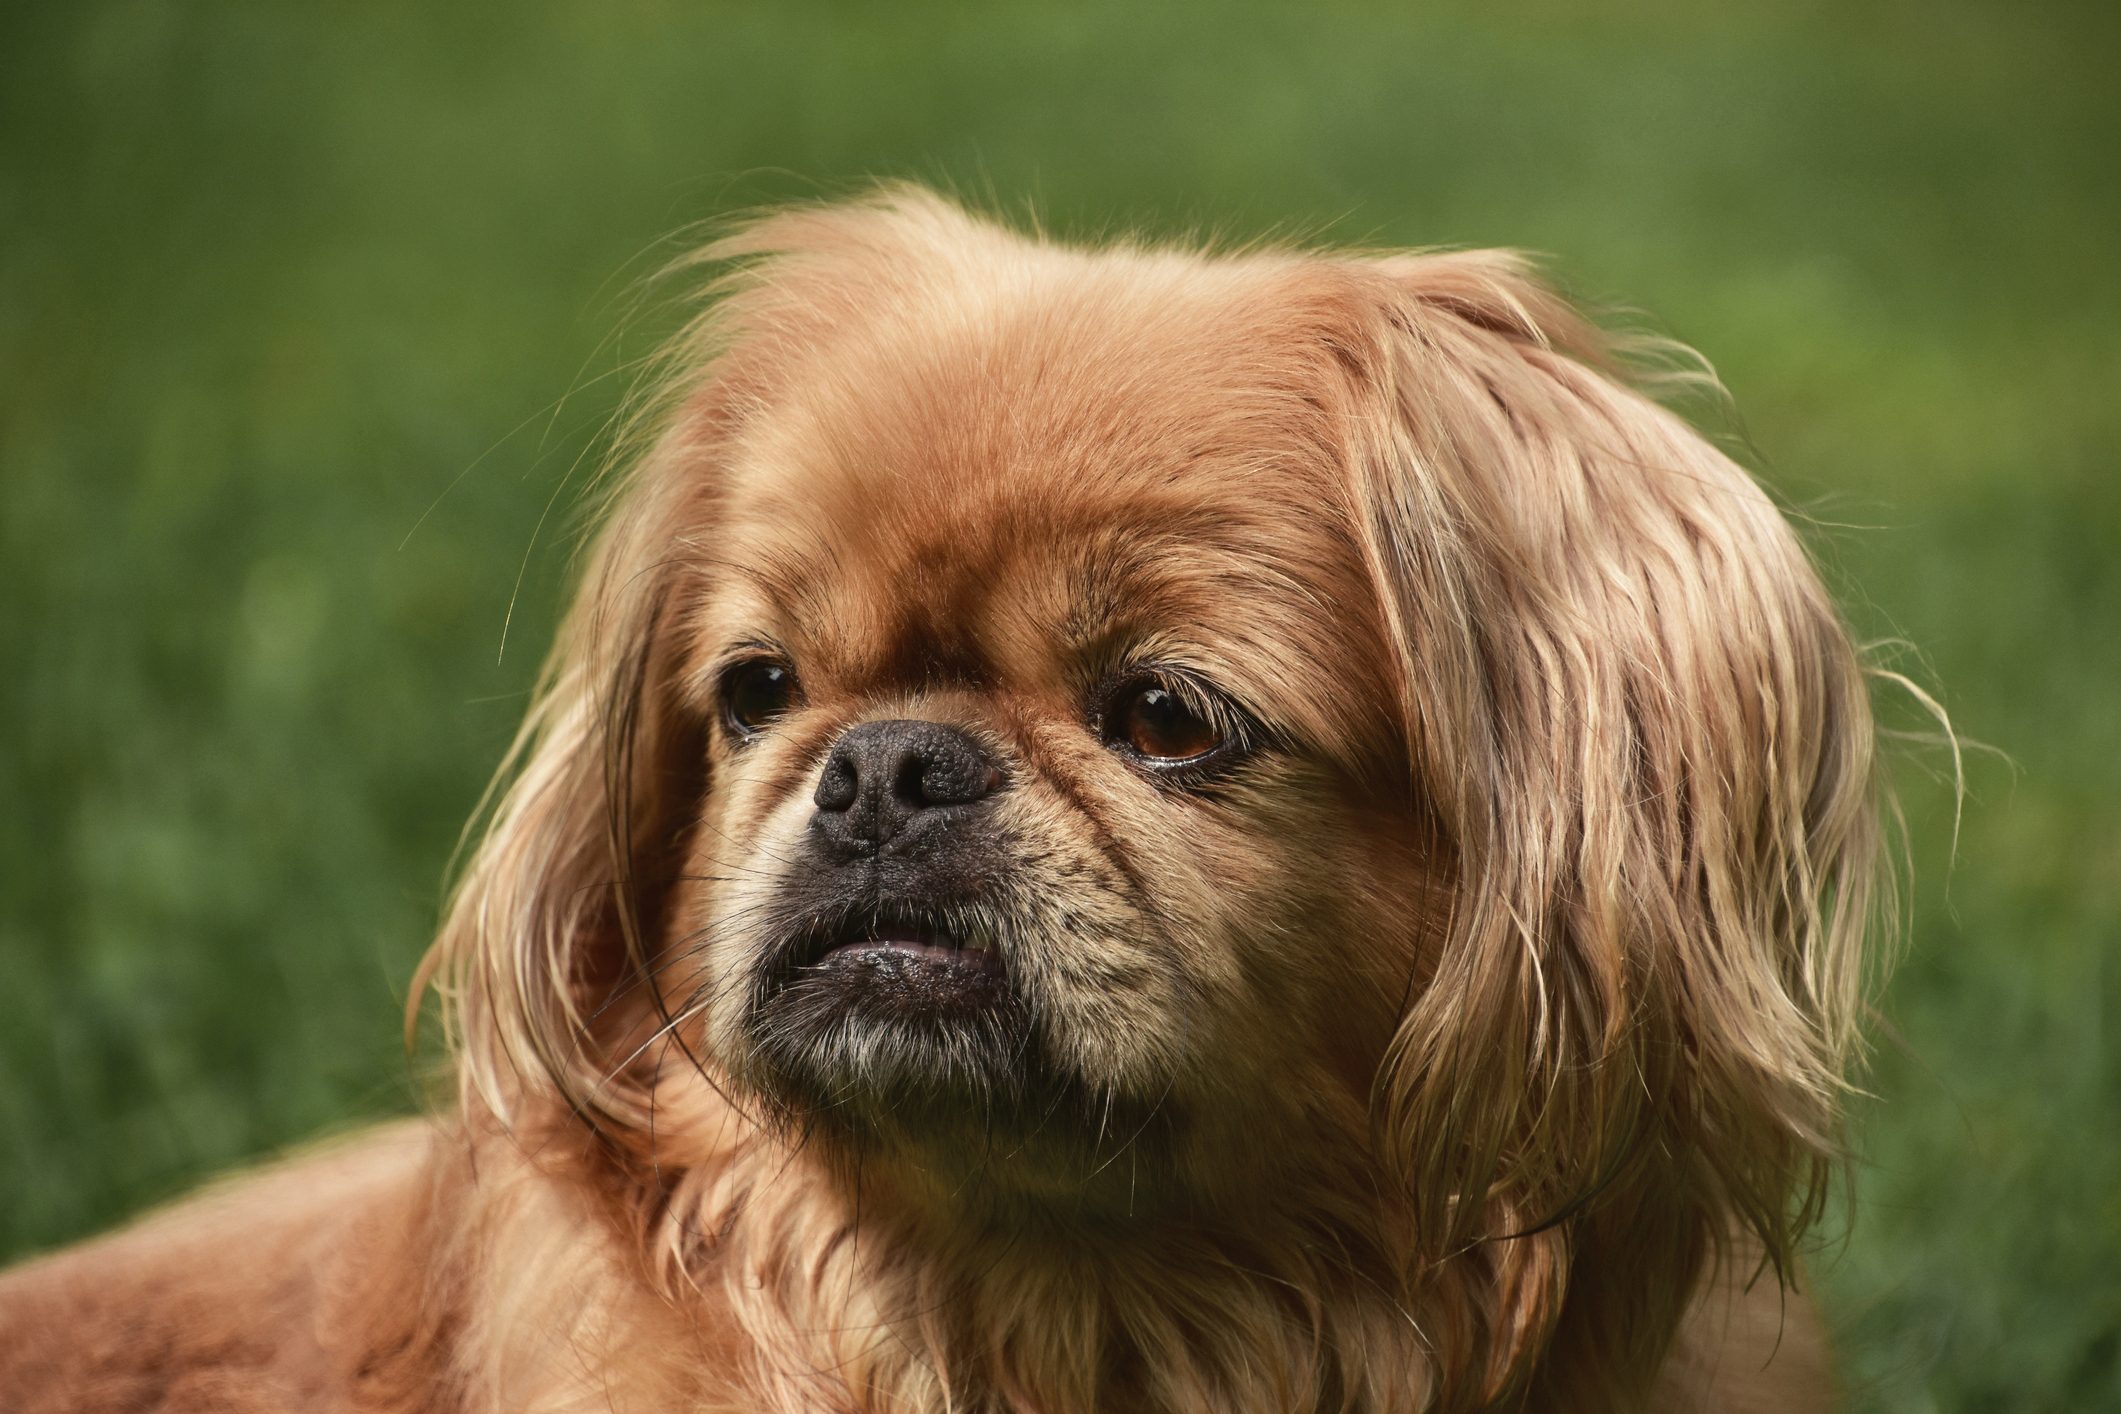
(905,958)
(910,1023)
(922,939)
(898,1010)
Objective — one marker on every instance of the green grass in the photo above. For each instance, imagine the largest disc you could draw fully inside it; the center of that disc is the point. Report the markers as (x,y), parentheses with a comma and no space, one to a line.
(290,297)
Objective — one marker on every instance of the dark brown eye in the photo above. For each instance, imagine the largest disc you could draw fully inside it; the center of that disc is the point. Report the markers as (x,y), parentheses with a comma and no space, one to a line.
(1159,726)
(754,693)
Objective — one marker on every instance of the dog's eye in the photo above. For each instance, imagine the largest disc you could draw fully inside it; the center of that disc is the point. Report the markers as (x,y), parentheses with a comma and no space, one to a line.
(754,693)
(1151,720)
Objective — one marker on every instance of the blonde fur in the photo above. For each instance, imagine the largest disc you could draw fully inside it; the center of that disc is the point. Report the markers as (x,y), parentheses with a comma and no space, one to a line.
(1482,1046)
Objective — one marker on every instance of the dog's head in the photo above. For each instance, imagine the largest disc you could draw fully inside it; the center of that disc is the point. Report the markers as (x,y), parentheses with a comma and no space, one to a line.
(1131,728)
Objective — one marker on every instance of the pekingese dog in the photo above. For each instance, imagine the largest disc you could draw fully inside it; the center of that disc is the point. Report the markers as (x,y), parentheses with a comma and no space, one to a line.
(1123,829)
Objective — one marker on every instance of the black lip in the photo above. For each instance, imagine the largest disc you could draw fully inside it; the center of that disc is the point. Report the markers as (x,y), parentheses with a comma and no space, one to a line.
(905,939)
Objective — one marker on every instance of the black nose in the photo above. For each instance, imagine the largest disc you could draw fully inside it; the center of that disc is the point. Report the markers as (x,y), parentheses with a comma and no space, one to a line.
(884,778)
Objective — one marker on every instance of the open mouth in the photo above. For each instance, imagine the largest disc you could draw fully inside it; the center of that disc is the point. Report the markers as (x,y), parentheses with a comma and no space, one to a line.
(906,959)
(921,941)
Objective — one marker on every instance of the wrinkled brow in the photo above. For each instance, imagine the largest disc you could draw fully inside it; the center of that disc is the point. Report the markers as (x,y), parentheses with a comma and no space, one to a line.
(1032,586)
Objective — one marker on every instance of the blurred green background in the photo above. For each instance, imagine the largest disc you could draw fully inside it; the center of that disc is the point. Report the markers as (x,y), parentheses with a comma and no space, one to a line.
(307,311)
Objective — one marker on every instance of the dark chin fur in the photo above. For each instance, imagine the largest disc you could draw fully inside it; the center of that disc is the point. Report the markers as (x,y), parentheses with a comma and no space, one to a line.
(859,1034)
(860,1057)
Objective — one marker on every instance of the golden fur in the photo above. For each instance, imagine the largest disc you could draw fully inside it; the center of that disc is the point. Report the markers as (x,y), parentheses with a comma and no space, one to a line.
(1476,1043)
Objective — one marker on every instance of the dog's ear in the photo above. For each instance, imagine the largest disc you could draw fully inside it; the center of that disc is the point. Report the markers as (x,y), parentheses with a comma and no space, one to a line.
(559,909)
(559,905)
(1648,737)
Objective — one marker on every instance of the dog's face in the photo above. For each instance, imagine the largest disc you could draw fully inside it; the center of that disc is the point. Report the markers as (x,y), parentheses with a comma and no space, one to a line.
(1135,727)
(1060,808)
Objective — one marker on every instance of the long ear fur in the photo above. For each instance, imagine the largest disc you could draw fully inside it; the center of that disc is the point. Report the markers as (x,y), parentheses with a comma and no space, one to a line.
(561,901)
(1649,738)
(558,912)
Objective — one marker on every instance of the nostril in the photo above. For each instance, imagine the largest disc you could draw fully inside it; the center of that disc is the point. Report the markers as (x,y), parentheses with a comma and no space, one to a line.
(910,782)
(839,784)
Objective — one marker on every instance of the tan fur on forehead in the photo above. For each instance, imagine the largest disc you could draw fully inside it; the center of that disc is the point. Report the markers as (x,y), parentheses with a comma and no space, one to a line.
(1032,444)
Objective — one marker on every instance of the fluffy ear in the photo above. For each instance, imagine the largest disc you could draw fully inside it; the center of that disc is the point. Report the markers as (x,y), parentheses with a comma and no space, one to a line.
(1648,735)
(559,910)
(561,902)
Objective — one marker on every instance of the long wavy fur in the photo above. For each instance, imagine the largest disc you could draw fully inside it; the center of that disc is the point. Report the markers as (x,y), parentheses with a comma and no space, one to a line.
(1646,743)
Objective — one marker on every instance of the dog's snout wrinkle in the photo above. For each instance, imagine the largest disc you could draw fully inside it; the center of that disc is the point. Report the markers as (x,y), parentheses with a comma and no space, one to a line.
(883,778)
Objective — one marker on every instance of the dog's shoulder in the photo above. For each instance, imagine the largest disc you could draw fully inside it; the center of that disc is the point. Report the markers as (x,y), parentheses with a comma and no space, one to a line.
(304,1286)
